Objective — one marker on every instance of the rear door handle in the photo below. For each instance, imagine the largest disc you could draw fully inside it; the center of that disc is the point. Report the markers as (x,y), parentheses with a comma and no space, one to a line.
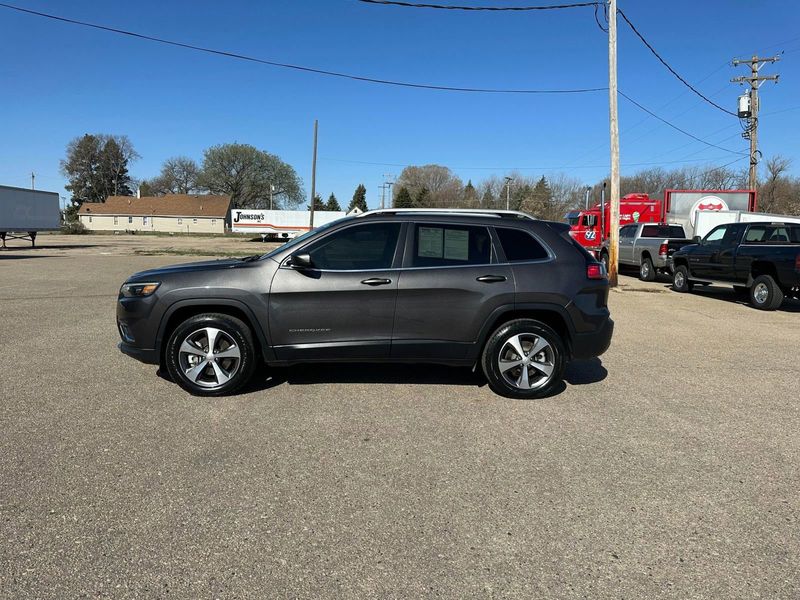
(491,278)
(376,281)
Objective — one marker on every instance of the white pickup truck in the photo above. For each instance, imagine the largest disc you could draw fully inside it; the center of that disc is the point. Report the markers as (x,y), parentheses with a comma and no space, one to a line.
(648,247)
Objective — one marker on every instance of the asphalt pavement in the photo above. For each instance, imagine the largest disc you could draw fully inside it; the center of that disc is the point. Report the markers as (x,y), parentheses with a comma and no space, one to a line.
(669,468)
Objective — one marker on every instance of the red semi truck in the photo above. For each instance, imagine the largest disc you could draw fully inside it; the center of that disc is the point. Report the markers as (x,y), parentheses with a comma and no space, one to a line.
(590,228)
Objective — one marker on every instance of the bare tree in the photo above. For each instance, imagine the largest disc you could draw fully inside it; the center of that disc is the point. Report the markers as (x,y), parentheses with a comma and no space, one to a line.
(444,188)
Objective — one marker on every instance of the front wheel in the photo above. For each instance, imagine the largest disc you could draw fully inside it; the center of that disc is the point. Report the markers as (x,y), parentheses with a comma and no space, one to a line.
(646,270)
(524,359)
(680,279)
(211,354)
(766,294)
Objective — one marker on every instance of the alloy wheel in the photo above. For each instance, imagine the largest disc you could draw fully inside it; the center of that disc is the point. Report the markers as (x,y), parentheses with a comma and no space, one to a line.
(209,357)
(526,361)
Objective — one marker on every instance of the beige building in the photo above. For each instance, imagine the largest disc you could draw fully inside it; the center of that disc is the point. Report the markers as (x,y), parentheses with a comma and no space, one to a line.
(178,213)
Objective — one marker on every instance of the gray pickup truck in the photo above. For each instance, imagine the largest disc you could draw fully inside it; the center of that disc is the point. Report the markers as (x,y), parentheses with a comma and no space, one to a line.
(648,246)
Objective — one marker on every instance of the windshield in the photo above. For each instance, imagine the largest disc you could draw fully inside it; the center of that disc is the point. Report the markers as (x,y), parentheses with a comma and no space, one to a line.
(301,238)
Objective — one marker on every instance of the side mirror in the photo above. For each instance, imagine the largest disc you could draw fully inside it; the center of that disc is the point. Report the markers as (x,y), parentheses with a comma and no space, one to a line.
(300,261)
(696,239)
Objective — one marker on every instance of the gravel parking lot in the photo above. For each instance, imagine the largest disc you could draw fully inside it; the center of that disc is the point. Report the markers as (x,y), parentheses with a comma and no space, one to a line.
(669,468)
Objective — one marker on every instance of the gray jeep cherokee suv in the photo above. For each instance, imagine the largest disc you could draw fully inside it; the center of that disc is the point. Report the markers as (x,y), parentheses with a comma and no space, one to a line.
(497,289)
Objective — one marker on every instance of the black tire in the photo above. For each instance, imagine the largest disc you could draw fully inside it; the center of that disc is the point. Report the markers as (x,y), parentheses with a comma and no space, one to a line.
(680,279)
(765,293)
(604,260)
(646,270)
(231,335)
(552,357)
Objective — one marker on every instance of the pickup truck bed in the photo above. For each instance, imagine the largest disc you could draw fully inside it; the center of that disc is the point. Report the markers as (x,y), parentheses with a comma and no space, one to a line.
(649,246)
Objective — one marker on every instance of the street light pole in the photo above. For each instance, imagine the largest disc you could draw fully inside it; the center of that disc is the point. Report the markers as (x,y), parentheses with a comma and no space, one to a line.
(271,191)
(508,192)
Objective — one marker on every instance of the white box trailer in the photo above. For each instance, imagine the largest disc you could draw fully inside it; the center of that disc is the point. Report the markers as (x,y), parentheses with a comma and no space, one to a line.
(683,207)
(279,224)
(706,220)
(24,212)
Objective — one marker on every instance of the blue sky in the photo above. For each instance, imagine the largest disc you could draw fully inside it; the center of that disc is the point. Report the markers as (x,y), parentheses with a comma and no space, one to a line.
(60,81)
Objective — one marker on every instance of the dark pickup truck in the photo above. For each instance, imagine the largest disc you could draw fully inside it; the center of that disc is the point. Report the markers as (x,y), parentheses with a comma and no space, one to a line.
(761,260)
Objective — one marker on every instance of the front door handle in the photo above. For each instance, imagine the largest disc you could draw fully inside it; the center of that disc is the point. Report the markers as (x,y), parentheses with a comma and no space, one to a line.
(491,278)
(376,281)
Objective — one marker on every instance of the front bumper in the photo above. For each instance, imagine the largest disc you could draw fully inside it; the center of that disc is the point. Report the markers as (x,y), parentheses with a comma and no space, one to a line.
(144,355)
(589,345)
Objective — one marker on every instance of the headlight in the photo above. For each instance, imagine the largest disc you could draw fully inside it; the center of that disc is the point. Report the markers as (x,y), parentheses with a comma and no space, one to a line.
(138,290)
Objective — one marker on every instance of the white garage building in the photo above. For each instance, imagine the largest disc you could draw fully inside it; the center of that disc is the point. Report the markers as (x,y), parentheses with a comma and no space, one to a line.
(178,213)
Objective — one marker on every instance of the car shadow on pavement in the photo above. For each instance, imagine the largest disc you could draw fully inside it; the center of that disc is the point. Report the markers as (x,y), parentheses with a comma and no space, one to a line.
(726,294)
(578,372)
(584,372)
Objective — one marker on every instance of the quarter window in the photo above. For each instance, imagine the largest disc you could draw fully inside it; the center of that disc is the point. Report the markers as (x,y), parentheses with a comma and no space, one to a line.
(359,248)
(519,245)
(451,245)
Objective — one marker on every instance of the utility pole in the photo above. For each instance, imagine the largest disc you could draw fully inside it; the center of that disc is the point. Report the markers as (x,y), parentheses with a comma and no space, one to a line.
(383,195)
(313,177)
(751,133)
(613,217)
(389,185)
(271,191)
(508,192)
(33,180)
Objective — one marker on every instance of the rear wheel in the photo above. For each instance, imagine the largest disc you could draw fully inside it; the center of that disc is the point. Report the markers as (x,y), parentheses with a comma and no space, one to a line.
(211,354)
(646,270)
(524,359)
(604,260)
(680,279)
(766,294)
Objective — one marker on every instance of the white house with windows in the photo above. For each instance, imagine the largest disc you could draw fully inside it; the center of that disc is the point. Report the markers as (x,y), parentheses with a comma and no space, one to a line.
(177,213)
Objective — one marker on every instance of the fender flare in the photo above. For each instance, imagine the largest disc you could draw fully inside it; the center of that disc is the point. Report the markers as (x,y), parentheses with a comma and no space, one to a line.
(266,349)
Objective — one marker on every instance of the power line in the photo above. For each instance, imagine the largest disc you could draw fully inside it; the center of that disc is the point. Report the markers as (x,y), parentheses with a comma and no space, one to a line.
(675,127)
(540,168)
(478,8)
(253,59)
(669,68)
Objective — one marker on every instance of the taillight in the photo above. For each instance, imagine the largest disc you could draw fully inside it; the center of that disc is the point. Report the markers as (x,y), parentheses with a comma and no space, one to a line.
(663,249)
(595,271)
(797,263)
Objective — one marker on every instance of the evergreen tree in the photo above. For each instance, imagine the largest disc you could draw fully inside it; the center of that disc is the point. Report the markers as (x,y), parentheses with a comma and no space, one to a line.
(403,199)
(423,199)
(488,200)
(470,195)
(318,203)
(333,203)
(359,199)
(538,201)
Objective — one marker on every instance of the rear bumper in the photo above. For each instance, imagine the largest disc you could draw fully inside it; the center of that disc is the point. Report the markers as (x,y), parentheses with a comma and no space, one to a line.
(589,345)
(141,354)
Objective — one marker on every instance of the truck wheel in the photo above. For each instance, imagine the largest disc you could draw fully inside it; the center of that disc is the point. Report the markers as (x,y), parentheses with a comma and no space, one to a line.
(211,355)
(646,270)
(524,359)
(604,260)
(766,294)
(680,279)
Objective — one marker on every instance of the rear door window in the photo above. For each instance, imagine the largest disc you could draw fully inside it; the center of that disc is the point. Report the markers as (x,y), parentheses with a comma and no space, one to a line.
(445,245)
(519,245)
